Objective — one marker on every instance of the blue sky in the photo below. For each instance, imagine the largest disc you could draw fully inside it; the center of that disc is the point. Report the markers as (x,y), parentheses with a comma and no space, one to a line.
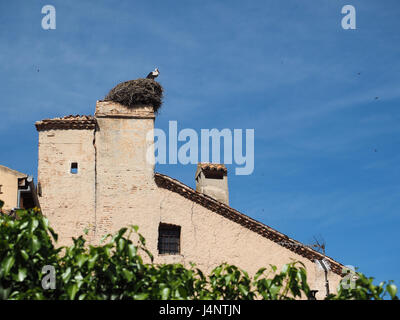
(326,150)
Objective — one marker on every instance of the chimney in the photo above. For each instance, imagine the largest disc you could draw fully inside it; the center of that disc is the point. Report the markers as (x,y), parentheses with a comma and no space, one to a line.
(212,180)
(122,168)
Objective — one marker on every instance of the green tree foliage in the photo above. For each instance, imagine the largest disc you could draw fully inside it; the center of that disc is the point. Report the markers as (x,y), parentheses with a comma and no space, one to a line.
(115,270)
(364,289)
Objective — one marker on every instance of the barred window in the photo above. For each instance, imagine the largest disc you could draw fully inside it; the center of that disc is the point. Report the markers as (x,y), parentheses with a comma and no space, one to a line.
(169,238)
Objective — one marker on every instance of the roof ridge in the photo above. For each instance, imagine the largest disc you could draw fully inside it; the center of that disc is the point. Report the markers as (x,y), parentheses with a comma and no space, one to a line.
(79,122)
(16,172)
(70,117)
(232,214)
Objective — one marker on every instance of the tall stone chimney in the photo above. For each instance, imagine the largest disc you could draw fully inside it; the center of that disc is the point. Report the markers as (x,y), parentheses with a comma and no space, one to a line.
(124,174)
(212,180)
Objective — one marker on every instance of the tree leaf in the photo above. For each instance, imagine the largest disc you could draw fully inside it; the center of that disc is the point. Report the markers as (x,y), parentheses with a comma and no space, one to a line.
(34,225)
(128,275)
(21,275)
(243,289)
(259,273)
(35,243)
(4,293)
(24,254)
(131,250)
(165,293)
(72,290)
(392,289)
(66,275)
(141,296)
(7,264)
(80,260)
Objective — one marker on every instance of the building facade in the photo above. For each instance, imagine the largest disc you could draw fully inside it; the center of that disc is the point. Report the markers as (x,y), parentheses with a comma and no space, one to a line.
(97,173)
(17,190)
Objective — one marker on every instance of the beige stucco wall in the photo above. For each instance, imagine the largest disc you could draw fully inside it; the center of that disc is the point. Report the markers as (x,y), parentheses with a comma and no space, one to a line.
(9,187)
(67,199)
(115,188)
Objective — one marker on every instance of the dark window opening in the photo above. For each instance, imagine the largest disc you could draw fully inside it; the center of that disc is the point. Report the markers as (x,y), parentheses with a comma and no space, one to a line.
(74,167)
(214,174)
(26,200)
(169,238)
(0,188)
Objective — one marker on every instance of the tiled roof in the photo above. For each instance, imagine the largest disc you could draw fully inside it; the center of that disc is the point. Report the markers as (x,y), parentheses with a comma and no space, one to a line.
(76,122)
(226,211)
(212,166)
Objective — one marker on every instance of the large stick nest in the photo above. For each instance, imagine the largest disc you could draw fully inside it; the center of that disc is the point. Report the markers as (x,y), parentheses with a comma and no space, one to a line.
(138,92)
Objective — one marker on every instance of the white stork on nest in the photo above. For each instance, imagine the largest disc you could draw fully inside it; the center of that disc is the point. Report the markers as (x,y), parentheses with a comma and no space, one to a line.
(154,74)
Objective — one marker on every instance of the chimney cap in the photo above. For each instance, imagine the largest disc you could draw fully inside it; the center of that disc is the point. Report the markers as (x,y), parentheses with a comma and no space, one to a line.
(211,167)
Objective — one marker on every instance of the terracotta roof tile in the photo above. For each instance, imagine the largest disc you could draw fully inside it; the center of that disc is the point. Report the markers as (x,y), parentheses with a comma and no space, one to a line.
(76,122)
(212,166)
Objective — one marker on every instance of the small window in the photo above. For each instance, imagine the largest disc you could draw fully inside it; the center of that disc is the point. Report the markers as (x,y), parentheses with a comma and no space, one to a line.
(169,238)
(74,167)
(0,188)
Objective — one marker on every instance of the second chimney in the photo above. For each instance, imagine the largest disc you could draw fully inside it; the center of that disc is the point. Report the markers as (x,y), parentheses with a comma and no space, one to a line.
(212,180)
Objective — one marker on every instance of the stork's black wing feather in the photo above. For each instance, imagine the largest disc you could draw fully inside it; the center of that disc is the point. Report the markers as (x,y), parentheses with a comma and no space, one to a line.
(150,75)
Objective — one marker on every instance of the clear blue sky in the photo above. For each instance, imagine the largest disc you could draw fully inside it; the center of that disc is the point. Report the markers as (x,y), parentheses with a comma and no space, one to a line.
(327,151)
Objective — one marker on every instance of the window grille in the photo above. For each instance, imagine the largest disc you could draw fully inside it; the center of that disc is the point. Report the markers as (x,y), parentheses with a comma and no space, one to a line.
(169,237)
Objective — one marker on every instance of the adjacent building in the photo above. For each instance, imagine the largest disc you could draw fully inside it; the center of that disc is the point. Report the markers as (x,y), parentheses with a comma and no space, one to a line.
(17,190)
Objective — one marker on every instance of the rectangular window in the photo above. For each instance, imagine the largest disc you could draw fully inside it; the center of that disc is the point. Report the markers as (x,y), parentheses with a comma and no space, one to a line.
(169,238)
(0,188)
(74,167)
(214,174)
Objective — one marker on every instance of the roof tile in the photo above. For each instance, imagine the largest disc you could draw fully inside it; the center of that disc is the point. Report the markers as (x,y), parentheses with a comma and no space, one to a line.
(74,122)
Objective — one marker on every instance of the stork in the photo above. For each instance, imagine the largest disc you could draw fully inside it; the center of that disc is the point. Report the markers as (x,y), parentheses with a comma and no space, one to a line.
(154,74)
